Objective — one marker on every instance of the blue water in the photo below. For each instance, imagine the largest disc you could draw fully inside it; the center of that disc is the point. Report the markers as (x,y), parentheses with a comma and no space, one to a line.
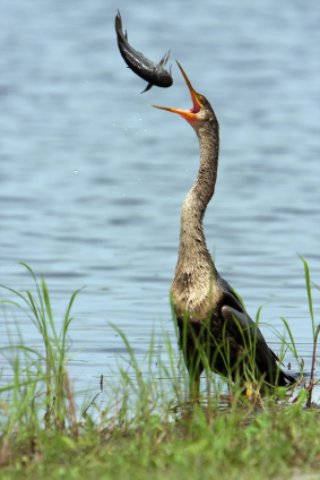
(92,178)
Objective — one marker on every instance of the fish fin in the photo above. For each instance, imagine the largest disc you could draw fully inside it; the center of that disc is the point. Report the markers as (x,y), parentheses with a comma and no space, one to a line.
(164,59)
(147,87)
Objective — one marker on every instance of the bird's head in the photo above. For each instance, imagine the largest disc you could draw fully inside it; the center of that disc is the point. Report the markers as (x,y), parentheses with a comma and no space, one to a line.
(201,111)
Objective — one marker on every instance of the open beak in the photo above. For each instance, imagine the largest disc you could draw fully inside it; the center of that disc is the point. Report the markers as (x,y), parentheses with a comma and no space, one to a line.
(191,114)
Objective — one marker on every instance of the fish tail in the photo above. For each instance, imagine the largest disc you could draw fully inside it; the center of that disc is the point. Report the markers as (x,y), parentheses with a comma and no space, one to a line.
(118,25)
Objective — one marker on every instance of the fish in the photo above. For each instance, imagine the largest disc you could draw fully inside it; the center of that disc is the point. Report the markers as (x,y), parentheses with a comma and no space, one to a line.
(154,74)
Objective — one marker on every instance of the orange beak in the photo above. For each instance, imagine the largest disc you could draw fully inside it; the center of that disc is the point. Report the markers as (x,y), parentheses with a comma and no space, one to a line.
(189,115)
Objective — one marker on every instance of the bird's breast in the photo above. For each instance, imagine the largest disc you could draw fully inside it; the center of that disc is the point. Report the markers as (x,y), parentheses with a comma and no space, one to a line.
(194,296)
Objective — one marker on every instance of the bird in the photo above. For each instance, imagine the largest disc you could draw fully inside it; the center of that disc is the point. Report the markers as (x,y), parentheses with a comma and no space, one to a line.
(215,331)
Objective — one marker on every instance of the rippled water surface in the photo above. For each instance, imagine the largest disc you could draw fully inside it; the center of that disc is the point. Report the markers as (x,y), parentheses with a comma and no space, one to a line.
(92,178)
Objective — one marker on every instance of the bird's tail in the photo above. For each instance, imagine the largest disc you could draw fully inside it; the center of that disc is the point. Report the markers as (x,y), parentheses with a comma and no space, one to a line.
(284,379)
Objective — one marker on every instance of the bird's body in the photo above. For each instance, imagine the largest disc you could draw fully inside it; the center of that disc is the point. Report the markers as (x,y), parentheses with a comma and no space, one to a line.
(214,328)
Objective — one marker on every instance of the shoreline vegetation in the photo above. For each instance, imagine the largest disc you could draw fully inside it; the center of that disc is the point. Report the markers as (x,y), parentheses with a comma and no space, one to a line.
(147,429)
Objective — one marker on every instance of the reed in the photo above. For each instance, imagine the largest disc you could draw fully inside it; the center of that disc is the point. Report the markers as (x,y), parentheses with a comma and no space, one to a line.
(147,426)
(40,386)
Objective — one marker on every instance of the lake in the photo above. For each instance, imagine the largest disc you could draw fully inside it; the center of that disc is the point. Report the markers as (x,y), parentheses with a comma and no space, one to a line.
(92,178)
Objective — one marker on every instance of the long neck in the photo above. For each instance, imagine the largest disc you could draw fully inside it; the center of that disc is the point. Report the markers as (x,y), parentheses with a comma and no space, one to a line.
(193,252)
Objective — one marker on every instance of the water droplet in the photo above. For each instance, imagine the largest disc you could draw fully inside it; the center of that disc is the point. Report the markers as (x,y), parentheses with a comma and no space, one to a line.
(76,171)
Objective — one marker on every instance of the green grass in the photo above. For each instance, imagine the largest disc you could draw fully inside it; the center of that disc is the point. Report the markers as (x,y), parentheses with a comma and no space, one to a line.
(147,429)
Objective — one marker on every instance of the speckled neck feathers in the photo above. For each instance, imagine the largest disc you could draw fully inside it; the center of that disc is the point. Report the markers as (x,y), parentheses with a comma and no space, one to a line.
(195,271)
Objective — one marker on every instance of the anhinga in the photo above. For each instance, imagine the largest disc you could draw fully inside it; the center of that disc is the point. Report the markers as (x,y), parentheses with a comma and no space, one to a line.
(214,328)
